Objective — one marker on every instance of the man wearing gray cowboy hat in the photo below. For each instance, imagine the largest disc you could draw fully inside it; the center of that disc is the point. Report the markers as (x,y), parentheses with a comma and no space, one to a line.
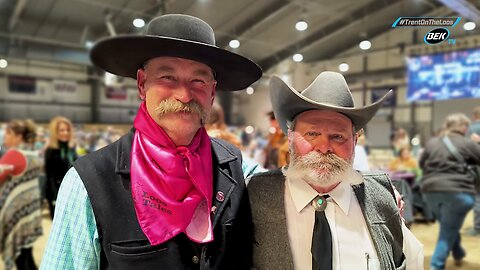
(164,196)
(318,212)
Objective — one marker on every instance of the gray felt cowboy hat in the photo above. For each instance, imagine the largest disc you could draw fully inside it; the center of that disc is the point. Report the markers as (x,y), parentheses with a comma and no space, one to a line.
(175,35)
(329,91)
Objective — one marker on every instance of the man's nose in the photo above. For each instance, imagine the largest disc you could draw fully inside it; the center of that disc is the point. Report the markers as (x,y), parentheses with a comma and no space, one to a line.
(323,145)
(183,93)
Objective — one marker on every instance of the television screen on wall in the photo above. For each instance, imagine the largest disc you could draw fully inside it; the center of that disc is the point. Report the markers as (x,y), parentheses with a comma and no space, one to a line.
(449,75)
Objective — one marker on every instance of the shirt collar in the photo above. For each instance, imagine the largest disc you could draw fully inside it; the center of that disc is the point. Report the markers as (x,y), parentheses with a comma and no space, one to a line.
(302,193)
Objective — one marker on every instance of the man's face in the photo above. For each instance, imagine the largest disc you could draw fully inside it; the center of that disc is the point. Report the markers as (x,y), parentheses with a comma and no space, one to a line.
(322,146)
(178,93)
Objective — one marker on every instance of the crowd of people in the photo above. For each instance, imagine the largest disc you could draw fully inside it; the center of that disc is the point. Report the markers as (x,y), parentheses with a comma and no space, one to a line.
(172,191)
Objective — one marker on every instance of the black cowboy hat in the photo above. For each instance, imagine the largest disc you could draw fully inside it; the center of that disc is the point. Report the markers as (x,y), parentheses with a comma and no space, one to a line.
(175,35)
(329,91)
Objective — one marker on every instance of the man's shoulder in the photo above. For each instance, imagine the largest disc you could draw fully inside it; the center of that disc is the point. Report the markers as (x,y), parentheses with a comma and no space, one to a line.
(374,174)
(224,145)
(109,151)
(269,174)
(266,179)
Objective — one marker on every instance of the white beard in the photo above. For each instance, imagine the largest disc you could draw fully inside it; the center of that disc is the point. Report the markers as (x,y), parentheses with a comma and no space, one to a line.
(320,170)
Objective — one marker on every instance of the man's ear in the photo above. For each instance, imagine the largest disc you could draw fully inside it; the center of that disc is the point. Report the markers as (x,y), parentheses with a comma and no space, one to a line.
(214,88)
(290,135)
(141,78)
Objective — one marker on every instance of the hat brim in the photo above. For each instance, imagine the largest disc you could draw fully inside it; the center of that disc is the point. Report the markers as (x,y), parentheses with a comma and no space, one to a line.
(124,55)
(287,103)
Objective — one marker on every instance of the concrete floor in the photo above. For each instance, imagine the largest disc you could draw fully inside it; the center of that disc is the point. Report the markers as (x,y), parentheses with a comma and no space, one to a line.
(426,233)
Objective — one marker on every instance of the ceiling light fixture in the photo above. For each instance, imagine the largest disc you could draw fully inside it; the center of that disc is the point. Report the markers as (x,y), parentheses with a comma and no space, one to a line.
(343,67)
(89,44)
(250,90)
(3,63)
(301,25)
(298,57)
(139,23)
(234,43)
(365,45)
(469,26)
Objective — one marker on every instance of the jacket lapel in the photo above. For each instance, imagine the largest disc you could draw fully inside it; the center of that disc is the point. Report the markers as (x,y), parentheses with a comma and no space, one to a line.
(223,183)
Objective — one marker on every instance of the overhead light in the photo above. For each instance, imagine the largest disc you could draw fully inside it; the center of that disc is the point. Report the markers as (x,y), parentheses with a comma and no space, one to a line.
(301,25)
(139,23)
(234,43)
(365,45)
(469,26)
(297,57)
(3,63)
(343,67)
(250,90)
(89,44)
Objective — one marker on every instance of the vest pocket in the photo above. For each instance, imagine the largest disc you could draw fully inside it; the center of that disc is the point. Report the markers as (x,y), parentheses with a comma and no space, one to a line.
(135,248)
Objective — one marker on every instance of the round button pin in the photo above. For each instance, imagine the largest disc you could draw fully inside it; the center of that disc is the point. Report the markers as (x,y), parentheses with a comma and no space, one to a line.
(220,196)
(195,259)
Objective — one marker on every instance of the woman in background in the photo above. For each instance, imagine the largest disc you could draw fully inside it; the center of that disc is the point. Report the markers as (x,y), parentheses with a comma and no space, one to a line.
(20,201)
(217,128)
(59,157)
(405,163)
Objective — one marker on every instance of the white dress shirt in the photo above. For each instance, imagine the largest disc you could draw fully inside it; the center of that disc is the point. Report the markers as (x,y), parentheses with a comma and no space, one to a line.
(352,244)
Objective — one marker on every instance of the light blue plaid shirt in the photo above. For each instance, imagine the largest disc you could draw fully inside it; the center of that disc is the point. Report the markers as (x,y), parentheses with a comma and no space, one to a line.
(73,241)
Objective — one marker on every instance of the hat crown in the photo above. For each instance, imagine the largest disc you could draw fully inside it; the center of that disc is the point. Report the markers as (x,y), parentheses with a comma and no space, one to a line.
(330,88)
(180,26)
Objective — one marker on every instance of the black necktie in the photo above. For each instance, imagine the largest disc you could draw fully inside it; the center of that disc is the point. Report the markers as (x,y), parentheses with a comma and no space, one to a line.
(322,238)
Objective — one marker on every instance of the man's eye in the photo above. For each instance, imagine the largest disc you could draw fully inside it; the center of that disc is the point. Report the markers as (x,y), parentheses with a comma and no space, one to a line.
(198,81)
(311,133)
(167,78)
(338,137)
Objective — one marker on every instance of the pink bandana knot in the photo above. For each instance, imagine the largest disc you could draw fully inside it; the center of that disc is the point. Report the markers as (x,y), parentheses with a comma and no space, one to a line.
(171,185)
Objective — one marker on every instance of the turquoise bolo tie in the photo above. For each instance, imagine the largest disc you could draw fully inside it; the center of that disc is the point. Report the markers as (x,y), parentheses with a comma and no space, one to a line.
(320,203)
(322,237)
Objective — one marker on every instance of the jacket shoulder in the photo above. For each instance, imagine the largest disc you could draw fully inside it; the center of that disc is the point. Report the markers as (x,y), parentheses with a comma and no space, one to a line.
(109,152)
(220,144)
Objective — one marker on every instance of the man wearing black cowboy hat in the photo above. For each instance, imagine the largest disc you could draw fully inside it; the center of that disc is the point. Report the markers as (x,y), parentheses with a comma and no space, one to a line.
(164,196)
(318,212)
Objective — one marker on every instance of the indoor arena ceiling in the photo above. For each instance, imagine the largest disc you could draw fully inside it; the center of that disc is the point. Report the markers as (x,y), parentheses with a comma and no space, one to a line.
(59,30)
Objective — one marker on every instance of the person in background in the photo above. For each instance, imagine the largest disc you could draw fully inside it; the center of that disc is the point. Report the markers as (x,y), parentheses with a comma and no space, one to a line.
(405,163)
(59,157)
(20,200)
(447,187)
(400,139)
(217,128)
(165,195)
(360,161)
(474,133)
(318,212)
(276,151)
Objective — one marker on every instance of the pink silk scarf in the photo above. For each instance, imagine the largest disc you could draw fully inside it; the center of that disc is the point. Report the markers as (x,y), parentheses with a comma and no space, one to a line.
(171,185)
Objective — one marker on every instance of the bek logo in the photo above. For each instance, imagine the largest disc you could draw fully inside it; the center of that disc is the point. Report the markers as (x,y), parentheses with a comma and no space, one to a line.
(436,36)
